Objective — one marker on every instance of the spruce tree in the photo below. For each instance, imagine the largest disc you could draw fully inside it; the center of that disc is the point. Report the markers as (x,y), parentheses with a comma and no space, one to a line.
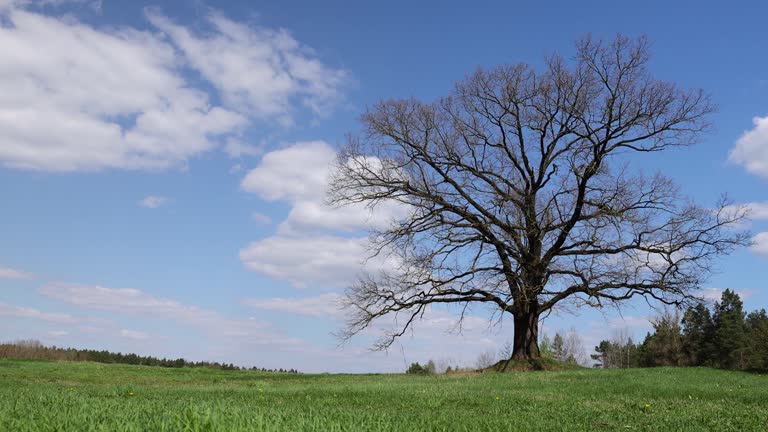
(698,336)
(757,329)
(730,331)
(665,346)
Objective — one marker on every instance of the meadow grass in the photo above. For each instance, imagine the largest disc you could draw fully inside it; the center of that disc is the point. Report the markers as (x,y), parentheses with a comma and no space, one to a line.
(63,396)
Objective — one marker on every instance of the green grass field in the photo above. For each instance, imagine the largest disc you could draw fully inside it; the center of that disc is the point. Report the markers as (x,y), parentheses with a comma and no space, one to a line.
(58,396)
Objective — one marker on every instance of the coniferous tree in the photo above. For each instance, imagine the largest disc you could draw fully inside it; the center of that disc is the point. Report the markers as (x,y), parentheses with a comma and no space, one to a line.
(698,336)
(644,352)
(430,367)
(415,369)
(757,352)
(665,346)
(603,355)
(730,331)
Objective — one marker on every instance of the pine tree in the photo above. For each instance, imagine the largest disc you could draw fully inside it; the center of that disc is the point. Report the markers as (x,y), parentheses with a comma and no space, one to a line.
(665,346)
(603,356)
(757,328)
(730,331)
(698,336)
(416,369)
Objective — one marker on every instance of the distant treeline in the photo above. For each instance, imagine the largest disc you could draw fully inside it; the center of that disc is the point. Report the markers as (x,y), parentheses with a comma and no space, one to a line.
(725,337)
(34,350)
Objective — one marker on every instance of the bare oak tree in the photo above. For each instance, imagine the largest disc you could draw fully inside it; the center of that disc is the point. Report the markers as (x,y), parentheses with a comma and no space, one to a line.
(522,196)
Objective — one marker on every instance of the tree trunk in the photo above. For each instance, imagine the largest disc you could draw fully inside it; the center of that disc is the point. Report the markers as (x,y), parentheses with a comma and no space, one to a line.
(526,341)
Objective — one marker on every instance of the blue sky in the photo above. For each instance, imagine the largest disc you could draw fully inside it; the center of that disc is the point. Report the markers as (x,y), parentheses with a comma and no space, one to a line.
(162,164)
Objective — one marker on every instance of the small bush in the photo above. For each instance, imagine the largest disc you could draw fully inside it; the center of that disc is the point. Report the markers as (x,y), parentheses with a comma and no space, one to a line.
(417,369)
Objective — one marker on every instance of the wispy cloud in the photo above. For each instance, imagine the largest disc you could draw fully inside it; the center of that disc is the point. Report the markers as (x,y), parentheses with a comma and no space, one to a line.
(261,218)
(312,261)
(256,70)
(58,333)
(10,273)
(133,334)
(236,148)
(322,306)
(153,201)
(77,79)
(24,312)
(124,300)
(758,210)
(132,302)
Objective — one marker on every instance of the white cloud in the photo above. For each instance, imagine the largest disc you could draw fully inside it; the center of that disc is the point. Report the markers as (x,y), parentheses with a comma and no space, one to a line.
(436,322)
(758,210)
(236,148)
(108,98)
(7,4)
(315,216)
(760,244)
(58,333)
(751,148)
(327,261)
(710,294)
(133,334)
(754,211)
(153,201)
(261,219)
(257,70)
(22,312)
(124,300)
(9,273)
(715,294)
(298,172)
(322,306)
(135,302)
(307,250)
(629,322)
(119,97)
(93,4)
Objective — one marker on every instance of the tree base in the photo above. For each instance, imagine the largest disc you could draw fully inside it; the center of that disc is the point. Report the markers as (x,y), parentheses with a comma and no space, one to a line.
(529,365)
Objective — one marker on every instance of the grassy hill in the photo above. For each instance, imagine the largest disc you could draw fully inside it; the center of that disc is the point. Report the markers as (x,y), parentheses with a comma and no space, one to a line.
(37,395)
